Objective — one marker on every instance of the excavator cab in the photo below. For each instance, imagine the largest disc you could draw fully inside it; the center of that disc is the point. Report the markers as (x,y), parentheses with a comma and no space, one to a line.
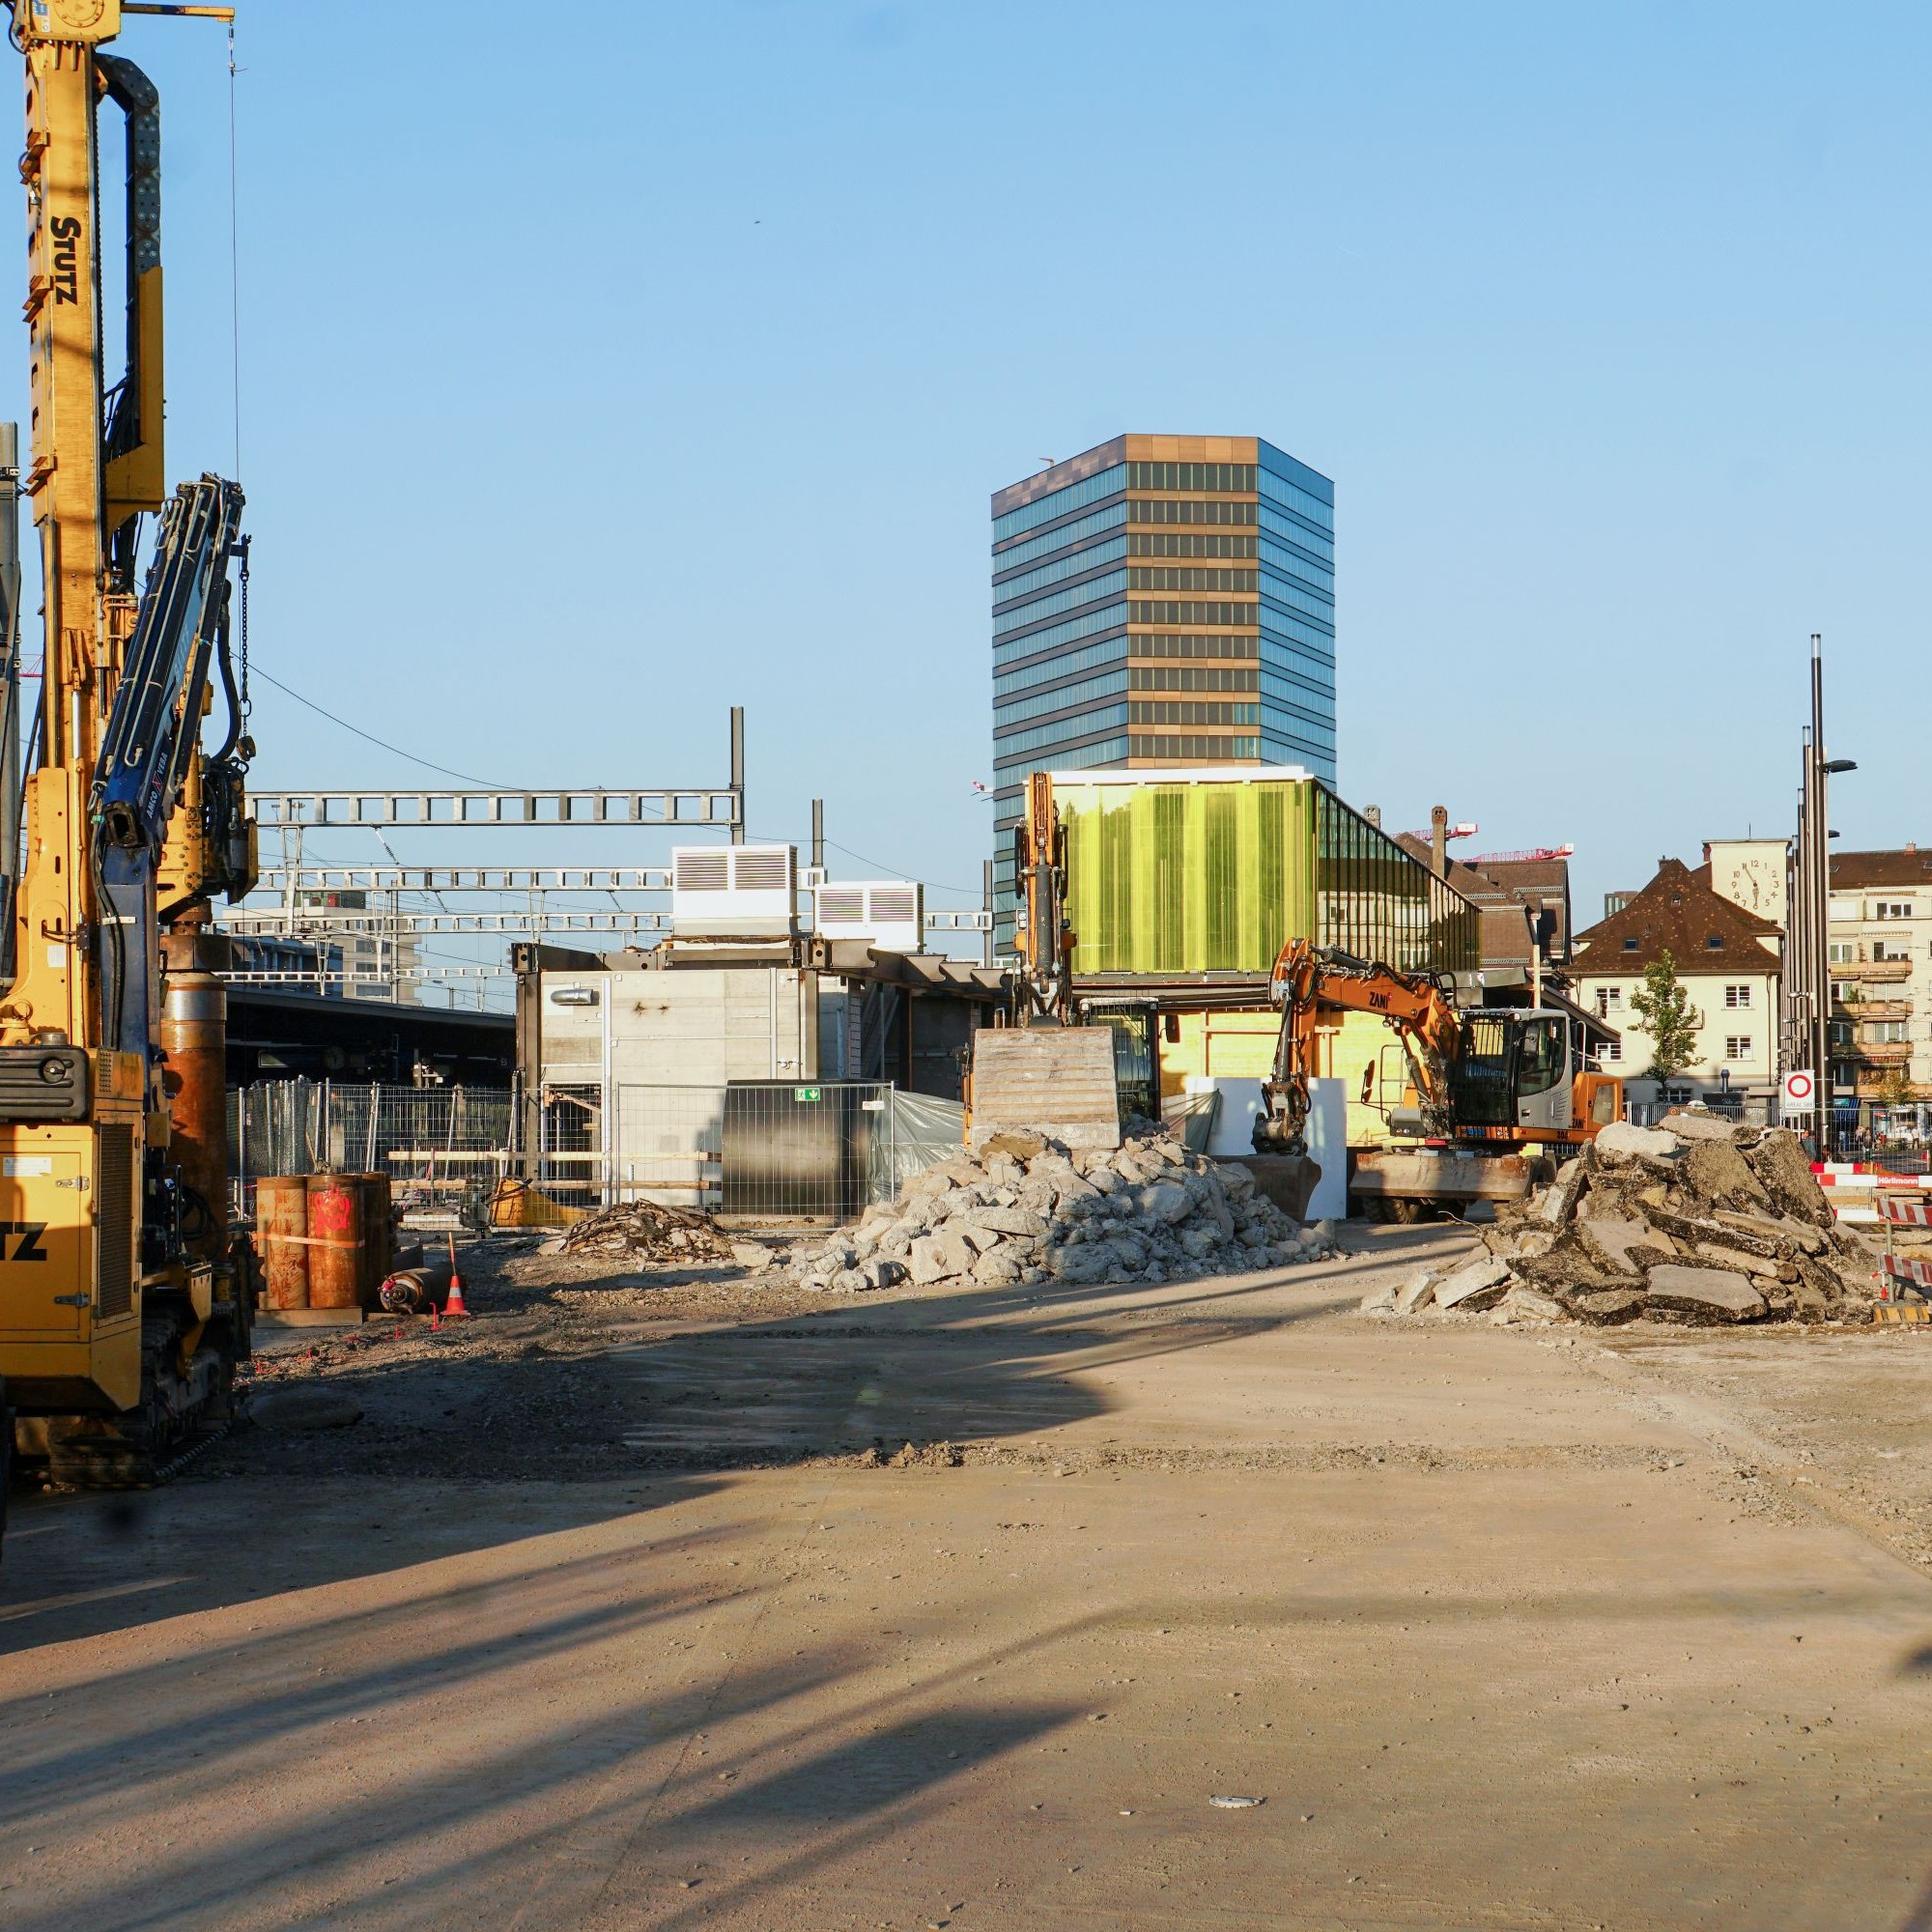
(1527,1073)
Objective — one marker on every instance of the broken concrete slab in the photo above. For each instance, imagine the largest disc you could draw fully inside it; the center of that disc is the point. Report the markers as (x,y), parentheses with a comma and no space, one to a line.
(1611,1242)
(1708,1127)
(1520,1303)
(1475,1284)
(1606,1308)
(1417,1292)
(1783,1170)
(1740,1261)
(1620,1141)
(1704,1294)
(1559,1201)
(1716,1171)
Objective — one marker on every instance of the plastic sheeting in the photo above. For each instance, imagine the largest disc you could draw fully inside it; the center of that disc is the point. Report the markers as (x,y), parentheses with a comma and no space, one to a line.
(925,1132)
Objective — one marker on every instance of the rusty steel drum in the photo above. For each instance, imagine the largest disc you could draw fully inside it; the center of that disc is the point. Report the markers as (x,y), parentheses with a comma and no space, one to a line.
(336,1238)
(281,1226)
(379,1247)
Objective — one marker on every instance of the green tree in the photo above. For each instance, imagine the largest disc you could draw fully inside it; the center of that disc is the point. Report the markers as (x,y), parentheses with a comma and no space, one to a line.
(1664,1011)
(1894,1088)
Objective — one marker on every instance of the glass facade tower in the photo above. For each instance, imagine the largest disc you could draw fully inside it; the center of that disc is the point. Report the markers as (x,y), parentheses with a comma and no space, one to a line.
(1160,600)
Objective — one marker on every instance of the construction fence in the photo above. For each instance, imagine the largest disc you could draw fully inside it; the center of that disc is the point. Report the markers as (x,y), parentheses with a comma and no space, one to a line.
(750,1150)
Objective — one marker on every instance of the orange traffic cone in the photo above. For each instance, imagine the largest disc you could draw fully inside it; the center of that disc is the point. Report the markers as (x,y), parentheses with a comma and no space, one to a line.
(453,1307)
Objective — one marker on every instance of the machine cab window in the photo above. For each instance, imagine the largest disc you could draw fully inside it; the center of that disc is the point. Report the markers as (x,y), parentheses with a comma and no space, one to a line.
(1542,1061)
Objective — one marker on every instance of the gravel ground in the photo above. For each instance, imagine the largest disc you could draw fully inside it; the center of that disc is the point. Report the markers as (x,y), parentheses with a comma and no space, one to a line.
(697,1600)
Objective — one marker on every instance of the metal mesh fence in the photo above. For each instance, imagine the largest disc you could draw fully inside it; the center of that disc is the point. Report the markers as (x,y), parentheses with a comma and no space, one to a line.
(758,1150)
(441,1146)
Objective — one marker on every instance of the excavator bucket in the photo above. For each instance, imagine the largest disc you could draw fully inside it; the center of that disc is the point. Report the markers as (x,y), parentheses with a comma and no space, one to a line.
(1052,1080)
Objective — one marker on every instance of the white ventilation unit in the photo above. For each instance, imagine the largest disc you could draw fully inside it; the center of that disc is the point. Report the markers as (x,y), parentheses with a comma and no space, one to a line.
(734,891)
(886,913)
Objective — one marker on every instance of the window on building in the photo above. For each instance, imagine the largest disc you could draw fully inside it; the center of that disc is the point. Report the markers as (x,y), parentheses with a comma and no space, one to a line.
(1737,1046)
(1843,990)
(1679,1096)
(1891,948)
(1892,909)
(1713,942)
(1838,1033)
(1841,952)
(1888,1032)
(1737,996)
(1629,946)
(1613,1052)
(1609,1000)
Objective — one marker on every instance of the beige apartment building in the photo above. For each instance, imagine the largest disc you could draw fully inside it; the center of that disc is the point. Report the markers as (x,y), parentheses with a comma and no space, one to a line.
(1880,943)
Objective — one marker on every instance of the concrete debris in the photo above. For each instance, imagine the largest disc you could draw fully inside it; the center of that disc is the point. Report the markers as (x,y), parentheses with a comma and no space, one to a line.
(1711,1224)
(1479,1284)
(1704,1294)
(1621,1142)
(1027,1209)
(649,1231)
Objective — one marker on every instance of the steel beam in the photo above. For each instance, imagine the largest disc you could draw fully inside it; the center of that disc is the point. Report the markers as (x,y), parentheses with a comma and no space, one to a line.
(466,880)
(320,922)
(698,806)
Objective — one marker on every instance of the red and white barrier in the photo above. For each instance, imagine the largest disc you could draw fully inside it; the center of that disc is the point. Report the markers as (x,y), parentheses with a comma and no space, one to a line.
(1855,1187)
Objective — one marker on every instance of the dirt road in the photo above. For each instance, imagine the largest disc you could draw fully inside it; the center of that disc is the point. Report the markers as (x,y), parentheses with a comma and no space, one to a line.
(627,1609)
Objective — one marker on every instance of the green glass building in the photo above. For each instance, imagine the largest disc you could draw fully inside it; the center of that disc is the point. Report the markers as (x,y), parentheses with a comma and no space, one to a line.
(1209,872)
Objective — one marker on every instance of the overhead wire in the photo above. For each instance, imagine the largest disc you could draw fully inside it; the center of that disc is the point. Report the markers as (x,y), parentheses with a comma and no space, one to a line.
(322,711)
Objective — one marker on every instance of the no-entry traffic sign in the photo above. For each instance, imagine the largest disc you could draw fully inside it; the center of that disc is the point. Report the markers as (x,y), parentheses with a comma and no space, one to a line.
(1800,1092)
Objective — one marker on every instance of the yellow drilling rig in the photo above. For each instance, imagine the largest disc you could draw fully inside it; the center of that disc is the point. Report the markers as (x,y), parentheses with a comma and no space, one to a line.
(123,1299)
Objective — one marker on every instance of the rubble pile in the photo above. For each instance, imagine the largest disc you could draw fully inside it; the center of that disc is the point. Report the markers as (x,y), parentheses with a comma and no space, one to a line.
(1025,1209)
(647,1231)
(1692,1221)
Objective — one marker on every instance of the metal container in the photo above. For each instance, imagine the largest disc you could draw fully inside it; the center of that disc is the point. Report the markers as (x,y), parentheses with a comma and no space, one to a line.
(281,1230)
(335,1251)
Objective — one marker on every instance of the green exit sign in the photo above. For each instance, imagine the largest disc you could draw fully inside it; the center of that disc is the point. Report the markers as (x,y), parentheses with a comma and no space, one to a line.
(806,1097)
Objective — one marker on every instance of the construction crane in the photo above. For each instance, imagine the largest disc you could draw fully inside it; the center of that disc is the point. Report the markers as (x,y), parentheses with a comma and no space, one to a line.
(124,1305)
(1492,1094)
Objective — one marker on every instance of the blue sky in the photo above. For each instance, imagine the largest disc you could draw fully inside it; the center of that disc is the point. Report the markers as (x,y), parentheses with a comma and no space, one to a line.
(599,373)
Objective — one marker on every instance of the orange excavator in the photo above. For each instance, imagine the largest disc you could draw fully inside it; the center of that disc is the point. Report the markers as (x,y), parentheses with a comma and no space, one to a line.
(1305,978)
(1496,1091)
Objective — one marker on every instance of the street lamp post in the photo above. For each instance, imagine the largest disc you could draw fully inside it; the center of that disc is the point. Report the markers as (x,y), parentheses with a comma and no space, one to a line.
(1807,971)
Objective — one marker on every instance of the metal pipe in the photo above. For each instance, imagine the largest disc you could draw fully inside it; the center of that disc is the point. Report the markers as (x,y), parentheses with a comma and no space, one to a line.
(738,772)
(986,906)
(818,833)
(194,1045)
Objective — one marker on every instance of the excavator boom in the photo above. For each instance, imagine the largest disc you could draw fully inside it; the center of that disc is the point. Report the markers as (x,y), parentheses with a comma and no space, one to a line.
(1305,978)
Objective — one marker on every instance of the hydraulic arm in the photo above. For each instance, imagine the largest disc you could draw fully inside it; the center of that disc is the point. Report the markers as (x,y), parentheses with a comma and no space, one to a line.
(1422,1015)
